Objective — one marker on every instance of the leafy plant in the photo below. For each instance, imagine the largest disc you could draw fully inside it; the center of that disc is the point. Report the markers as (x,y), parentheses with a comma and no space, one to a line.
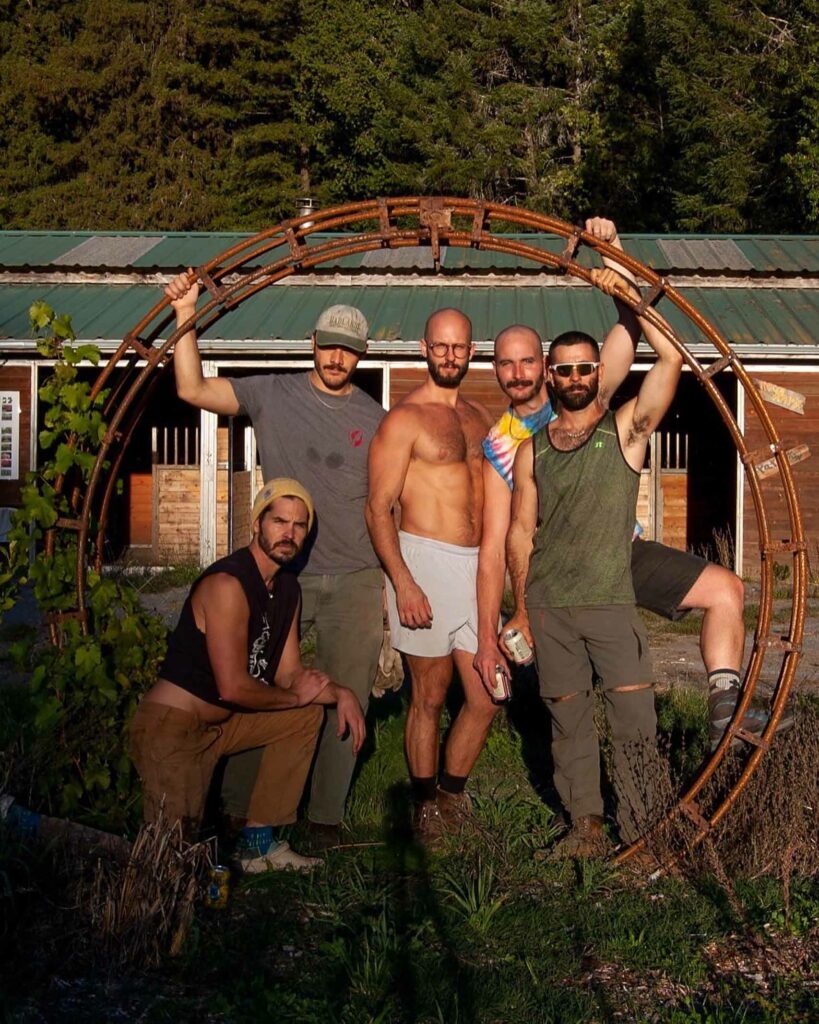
(83,691)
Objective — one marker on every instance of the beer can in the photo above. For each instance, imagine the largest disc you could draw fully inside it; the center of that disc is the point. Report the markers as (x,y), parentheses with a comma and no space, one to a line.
(518,646)
(501,691)
(217,887)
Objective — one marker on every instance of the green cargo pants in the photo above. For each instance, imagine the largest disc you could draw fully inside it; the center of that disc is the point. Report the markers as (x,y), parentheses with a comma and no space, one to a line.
(347,611)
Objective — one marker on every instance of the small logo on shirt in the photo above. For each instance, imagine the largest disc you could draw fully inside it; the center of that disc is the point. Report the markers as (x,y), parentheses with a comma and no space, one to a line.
(598,444)
(356,438)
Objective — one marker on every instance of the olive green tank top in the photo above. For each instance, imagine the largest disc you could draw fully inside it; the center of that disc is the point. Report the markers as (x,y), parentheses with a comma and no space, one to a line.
(587,500)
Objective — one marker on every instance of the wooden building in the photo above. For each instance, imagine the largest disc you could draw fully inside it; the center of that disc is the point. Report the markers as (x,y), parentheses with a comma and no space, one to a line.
(189,476)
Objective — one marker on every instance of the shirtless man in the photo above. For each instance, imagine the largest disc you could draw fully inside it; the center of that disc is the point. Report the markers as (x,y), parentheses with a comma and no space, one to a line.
(427,456)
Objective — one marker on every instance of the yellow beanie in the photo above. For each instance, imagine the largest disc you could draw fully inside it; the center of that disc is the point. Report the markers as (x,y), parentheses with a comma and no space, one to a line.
(281,487)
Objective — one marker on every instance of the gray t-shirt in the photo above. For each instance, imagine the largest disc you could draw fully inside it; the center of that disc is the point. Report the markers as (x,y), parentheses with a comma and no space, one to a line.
(322,441)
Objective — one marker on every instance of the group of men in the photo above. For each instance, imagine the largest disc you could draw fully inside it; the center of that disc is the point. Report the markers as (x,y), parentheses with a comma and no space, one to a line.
(549,492)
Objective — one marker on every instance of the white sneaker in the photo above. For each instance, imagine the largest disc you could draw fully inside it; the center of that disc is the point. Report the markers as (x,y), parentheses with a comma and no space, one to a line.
(278,858)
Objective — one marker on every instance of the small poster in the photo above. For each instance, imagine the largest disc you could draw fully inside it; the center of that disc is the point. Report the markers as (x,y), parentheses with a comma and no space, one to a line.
(9,435)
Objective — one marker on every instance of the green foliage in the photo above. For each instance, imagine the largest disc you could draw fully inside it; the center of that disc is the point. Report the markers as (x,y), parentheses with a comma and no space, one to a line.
(71,755)
(695,116)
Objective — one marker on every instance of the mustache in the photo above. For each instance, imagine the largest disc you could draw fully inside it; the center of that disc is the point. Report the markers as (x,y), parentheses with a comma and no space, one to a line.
(520,382)
(334,366)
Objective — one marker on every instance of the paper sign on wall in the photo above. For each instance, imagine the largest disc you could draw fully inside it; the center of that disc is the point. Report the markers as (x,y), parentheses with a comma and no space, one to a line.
(9,435)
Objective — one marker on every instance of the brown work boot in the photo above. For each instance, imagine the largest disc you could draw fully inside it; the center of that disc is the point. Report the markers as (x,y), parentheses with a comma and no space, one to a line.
(455,809)
(585,840)
(322,837)
(427,823)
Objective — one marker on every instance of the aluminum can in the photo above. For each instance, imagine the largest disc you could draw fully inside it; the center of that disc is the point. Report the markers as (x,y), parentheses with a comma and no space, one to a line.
(501,691)
(518,646)
(217,887)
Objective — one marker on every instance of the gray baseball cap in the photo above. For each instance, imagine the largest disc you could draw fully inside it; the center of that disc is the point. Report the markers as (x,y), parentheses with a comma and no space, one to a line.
(342,326)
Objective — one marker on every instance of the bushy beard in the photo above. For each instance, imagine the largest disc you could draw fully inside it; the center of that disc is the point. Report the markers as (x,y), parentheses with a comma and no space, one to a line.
(451,381)
(581,398)
(282,552)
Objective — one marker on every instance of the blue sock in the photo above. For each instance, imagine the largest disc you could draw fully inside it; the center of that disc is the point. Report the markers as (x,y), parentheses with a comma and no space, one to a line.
(25,823)
(255,840)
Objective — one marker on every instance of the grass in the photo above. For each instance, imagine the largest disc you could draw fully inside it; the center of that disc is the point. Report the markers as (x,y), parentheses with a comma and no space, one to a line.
(482,931)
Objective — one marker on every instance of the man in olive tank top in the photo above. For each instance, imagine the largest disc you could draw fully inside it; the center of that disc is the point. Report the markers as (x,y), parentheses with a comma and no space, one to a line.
(569,554)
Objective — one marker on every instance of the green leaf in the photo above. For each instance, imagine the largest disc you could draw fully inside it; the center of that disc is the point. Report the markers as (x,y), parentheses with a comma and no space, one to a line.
(40,314)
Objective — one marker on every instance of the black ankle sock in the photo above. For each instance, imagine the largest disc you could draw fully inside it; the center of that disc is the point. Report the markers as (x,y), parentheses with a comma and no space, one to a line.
(452,783)
(423,788)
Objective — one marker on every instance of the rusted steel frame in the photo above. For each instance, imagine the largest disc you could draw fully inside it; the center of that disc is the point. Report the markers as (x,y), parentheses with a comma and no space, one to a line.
(309,256)
(123,440)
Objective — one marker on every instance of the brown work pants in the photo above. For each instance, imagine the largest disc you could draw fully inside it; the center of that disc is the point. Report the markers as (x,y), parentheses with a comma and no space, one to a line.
(175,753)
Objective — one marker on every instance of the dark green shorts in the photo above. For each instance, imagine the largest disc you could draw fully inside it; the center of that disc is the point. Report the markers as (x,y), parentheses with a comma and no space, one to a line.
(573,645)
(663,576)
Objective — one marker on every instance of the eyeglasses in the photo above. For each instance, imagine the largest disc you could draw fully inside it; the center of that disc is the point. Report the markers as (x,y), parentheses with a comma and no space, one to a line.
(566,369)
(440,348)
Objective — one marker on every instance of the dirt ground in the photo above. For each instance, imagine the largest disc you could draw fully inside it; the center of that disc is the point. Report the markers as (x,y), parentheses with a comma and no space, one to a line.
(677,661)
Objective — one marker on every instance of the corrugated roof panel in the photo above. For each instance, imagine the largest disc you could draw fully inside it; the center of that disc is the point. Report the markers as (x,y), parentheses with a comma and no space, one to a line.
(788,254)
(180,251)
(766,254)
(409,257)
(107,251)
(34,249)
(758,316)
(703,254)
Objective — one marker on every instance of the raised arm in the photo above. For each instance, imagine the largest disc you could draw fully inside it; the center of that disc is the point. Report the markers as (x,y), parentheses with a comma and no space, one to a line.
(637,419)
(617,353)
(389,459)
(497,504)
(212,393)
(520,538)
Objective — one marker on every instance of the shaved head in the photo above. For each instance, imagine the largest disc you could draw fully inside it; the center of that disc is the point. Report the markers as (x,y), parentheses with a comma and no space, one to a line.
(519,333)
(448,319)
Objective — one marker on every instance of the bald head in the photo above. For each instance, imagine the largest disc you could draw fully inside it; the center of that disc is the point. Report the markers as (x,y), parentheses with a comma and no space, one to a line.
(521,336)
(448,321)
(519,366)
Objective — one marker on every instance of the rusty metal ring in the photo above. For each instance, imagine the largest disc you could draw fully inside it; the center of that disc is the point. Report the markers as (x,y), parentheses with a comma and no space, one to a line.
(240,272)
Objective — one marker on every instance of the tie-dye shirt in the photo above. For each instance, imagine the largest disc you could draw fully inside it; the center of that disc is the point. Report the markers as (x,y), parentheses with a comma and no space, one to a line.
(501,443)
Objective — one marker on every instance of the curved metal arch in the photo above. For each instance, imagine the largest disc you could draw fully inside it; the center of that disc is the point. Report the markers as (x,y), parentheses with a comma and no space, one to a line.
(241,271)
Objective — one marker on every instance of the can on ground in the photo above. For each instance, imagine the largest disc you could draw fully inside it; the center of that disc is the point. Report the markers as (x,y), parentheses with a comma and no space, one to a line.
(217,887)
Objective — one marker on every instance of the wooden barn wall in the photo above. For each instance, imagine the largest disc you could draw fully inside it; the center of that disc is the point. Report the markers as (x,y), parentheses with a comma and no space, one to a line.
(793,430)
(479,385)
(242,503)
(176,514)
(18,378)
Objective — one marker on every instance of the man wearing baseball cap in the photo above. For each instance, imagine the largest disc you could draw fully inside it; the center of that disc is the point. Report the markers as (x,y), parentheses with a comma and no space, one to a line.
(232,680)
(316,426)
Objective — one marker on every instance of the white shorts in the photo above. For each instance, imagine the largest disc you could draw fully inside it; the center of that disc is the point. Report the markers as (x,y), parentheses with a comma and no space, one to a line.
(448,575)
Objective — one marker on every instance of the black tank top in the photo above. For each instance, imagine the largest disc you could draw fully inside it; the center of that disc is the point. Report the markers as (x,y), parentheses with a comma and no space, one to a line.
(271,614)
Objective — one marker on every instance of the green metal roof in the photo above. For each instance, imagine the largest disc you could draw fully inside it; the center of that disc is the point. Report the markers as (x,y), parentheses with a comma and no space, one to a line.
(169,251)
(746,316)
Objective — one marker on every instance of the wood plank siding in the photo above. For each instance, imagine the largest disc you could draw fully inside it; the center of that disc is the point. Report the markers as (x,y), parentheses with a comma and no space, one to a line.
(793,430)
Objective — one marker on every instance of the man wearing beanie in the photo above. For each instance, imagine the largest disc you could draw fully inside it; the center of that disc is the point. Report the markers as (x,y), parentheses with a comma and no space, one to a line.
(317,426)
(232,680)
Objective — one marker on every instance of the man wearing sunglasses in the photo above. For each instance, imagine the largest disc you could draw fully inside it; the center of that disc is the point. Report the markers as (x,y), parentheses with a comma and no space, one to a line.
(569,552)
(667,581)
(426,457)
